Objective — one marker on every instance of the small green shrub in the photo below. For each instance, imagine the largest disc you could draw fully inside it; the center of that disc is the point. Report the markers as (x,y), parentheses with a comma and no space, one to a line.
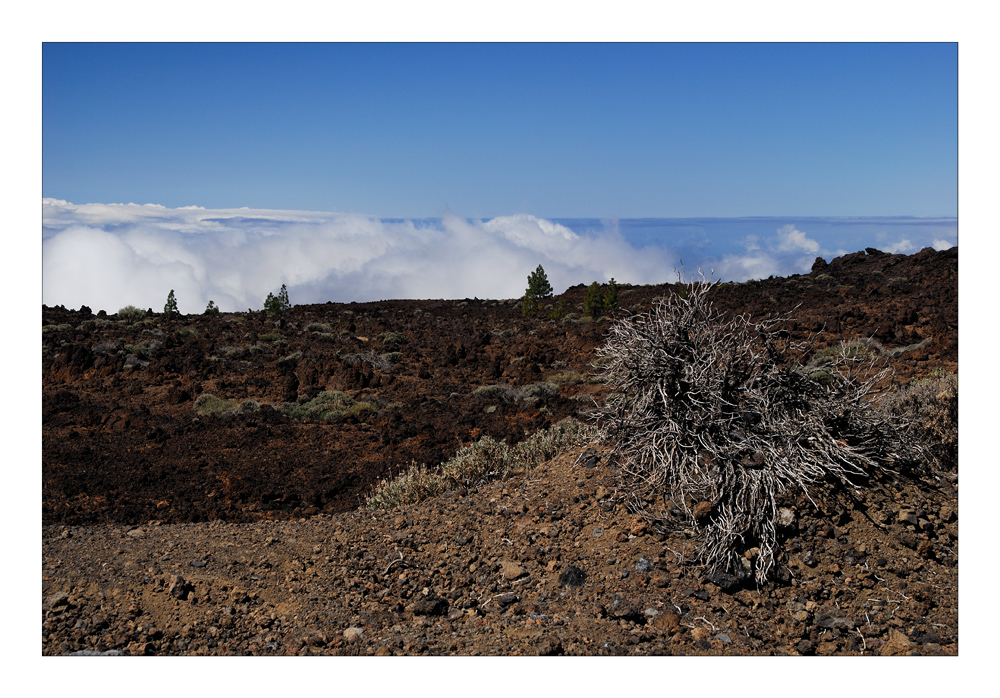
(130,314)
(392,339)
(539,391)
(208,405)
(330,405)
(483,461)
(503,392)
(899,351)
(930,409)
(211,308)
(56,328)
(392,357)
(291,358)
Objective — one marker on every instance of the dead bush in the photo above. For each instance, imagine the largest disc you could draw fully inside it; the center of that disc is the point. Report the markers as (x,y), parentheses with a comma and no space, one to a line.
(708,417)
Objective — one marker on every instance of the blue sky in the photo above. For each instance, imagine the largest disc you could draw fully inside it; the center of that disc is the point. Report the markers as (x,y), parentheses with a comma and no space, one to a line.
(486,130)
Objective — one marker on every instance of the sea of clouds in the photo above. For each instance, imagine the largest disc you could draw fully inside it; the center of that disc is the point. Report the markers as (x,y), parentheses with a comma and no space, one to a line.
(107,256)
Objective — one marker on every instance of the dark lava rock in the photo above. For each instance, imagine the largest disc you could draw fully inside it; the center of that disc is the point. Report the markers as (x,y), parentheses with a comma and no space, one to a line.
(725,581)
(429,606)
(572,576)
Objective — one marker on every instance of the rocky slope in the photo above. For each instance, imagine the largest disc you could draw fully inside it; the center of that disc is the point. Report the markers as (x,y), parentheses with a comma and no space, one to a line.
(547,562)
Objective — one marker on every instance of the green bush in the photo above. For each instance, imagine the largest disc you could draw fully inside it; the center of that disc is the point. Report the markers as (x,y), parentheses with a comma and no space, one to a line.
(211,308)
(330,405)
(208,405)
(483,461)
(929,408)
(131,314)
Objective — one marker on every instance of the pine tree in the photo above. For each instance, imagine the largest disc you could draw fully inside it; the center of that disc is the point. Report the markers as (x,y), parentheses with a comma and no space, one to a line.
(538,284)
(538,288)
(593,303)
(211,308)
(611,295)
(283,298)
(171,307)
(277,304)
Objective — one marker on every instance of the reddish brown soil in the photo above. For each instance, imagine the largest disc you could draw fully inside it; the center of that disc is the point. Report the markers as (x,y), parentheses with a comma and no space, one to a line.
(289,567)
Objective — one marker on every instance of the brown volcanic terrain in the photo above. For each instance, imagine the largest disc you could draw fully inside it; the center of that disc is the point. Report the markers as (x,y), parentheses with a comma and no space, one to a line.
(287,564)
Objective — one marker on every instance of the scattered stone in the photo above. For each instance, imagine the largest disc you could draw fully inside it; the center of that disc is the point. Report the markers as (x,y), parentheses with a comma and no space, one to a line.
(179,588)
(429,605)
(700,633)
(724,580)
(548,646)
(668,622)
(572,576)
(598,532)
(907,516)
(926,638)
(136,533)
(506,599)
(198,563)
(644,565)
(897,644)
(60,598)
(510,570)
(638,526)
(723,638)
(831,618)
(809,560)
(353,633)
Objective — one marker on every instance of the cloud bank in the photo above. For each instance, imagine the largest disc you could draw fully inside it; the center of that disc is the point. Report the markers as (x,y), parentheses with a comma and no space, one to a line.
(110,255)
(107,256)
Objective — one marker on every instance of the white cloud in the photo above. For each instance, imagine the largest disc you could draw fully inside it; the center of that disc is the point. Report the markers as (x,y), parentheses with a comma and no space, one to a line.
(110,255)
(902,246)
(943,245)
(788,251)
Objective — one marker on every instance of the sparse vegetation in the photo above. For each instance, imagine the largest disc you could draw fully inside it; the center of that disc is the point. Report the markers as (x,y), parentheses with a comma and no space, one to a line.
(208,405)
(485,460)
(706,417)
(929,409)
(131,314)
(329,405)
(211,308)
